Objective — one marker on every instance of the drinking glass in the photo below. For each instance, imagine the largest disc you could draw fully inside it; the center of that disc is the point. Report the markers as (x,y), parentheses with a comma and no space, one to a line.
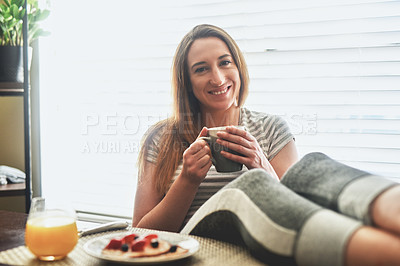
(50,233)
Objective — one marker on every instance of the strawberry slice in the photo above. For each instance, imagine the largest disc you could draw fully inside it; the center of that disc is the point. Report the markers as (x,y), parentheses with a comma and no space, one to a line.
(129,238)
(149,237)
(138,245)
(114,244)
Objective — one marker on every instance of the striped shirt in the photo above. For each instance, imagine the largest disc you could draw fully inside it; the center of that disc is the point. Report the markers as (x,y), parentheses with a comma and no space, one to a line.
(271,132)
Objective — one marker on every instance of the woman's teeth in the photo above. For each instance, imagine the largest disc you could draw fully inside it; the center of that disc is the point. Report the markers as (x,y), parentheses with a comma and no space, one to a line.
(219,92)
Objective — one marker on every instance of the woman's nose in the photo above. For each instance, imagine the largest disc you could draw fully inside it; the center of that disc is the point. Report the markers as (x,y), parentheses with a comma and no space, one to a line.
(217,77)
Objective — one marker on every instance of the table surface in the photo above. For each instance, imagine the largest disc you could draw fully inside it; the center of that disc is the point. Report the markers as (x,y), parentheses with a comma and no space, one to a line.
(12,229)
(14,252)
(17,186)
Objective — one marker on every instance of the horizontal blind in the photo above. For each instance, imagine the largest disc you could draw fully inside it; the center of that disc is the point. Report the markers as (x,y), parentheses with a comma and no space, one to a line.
(330,68)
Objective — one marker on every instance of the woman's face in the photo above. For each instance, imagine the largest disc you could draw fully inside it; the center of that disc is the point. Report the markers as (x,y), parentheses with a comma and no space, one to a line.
(213,74)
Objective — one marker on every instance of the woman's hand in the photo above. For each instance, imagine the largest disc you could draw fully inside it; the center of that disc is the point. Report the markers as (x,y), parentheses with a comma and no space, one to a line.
(197,159)
(244,143)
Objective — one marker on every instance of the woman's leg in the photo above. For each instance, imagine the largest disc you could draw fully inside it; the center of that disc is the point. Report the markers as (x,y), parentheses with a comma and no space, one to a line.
(277,225)
(385,210)
(372,246)
(342,188)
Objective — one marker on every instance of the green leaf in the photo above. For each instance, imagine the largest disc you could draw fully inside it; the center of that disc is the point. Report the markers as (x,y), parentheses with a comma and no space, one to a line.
(22,14)
(36,34)
(42,15)
(7,3)
(12,23)
(33,28)
(6,10)
(33,3)
(14,11)
(8,17)
(17,2)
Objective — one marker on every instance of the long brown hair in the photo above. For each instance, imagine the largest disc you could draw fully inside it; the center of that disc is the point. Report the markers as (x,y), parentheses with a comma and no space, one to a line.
(180,130)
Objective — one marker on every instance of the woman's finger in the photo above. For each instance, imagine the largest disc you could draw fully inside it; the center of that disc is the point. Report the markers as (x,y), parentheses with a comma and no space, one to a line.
(197,146)
(239,132)
(243,148)
(196,151)
(205,162)
(243,139)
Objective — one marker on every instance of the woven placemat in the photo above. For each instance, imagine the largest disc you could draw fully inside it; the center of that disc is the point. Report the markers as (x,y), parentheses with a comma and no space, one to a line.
(211,252)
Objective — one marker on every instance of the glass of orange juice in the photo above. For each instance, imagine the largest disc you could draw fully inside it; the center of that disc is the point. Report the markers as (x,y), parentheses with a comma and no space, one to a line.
(50,233)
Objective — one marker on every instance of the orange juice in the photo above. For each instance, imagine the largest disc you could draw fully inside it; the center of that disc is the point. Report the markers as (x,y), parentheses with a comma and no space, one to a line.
(51,237)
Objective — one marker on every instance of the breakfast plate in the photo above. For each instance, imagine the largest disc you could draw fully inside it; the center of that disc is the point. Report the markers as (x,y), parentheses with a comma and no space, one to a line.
(95,246)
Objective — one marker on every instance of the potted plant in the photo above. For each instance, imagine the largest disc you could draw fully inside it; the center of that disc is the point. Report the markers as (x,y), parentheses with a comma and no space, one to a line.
(11,35)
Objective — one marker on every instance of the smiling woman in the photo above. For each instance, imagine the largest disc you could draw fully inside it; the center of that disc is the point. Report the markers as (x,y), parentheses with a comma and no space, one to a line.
(331,70)
(175,171)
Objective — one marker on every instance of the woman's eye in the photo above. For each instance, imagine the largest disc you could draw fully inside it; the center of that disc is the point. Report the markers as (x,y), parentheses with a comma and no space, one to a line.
(200,70)
(225,63)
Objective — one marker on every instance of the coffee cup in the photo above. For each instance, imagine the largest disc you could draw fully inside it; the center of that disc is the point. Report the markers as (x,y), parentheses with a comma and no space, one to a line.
(221,163)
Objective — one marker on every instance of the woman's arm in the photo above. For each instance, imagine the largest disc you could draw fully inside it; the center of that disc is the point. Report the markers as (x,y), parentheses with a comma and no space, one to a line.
(285,158)
(146,197)
(154,211)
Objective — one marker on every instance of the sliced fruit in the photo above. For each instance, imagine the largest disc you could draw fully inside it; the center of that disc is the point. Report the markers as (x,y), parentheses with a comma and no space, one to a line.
(114,244)
(129,238)
(150,237)
(138,245)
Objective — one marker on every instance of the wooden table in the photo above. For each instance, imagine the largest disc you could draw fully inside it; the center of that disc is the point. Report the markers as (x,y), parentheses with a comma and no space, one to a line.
(12,190)
(12,229)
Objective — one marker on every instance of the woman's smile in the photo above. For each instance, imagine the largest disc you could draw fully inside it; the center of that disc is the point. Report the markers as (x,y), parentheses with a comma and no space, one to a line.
(220,91)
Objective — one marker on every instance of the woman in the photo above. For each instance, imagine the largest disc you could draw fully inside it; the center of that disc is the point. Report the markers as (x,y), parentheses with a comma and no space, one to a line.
(176,176)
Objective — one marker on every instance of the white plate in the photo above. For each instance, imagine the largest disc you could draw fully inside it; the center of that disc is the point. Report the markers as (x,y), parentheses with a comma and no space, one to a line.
(95,246)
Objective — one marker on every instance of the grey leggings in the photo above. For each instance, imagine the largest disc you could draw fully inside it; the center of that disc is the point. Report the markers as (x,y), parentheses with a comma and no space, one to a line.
(306,219)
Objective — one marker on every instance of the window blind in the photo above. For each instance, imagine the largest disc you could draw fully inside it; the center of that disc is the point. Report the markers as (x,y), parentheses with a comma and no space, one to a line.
(330,68)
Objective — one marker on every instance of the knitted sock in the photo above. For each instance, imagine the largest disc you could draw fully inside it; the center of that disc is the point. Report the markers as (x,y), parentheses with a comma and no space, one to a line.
(277,225)
(335,186)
